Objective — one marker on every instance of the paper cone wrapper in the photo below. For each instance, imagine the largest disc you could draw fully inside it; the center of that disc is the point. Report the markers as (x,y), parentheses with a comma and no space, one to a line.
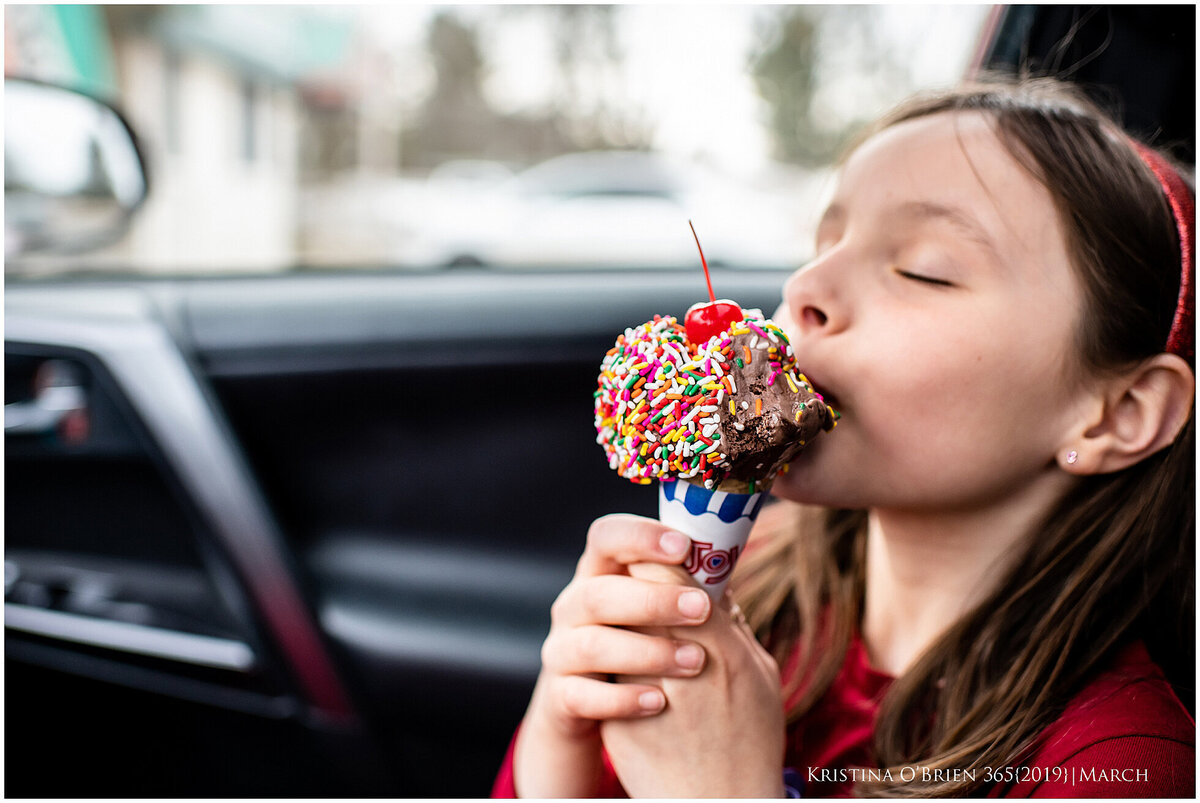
(717,521)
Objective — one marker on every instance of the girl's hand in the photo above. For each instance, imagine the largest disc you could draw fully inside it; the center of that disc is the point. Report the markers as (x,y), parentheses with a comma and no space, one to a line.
(558,751)
(722,732)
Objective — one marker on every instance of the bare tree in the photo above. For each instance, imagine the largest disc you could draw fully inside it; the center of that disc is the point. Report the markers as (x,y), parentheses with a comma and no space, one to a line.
(456,119)
(805,51)
(588,100)
(585,111)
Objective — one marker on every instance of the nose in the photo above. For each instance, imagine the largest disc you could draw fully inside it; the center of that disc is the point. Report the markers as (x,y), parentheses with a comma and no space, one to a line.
(812,300)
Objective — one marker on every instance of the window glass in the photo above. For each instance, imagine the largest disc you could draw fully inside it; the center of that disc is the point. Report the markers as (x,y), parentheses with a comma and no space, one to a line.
(533,136)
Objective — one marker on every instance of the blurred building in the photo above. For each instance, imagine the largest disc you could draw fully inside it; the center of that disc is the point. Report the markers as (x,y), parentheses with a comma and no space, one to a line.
(214,93)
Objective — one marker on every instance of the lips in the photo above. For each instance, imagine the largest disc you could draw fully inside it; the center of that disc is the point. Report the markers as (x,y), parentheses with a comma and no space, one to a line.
(829,398)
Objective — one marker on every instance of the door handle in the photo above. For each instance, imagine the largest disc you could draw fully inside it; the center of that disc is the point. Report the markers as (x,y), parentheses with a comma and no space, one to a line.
(58,393)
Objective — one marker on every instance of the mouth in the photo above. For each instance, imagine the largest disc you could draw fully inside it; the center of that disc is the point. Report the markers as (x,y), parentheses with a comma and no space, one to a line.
(829,398)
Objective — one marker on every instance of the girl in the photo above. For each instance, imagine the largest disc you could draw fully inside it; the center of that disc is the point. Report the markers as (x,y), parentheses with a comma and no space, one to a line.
(965,584)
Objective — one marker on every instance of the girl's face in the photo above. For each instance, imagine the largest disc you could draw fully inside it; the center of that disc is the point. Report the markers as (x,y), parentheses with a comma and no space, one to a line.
(938,317)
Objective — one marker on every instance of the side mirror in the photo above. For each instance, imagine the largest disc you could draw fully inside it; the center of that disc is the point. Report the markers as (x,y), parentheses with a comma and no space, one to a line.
(73,173)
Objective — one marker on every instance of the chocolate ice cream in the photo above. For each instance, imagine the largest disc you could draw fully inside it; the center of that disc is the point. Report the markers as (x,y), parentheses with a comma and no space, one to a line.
(728,413)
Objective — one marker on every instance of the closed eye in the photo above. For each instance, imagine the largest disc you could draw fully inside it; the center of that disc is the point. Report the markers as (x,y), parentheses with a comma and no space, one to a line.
(927,279)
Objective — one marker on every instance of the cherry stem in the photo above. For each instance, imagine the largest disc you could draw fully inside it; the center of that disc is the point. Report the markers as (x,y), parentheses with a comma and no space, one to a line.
(711,295)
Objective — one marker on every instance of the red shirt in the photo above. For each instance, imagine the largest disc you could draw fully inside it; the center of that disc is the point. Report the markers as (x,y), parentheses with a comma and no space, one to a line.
(1125,735)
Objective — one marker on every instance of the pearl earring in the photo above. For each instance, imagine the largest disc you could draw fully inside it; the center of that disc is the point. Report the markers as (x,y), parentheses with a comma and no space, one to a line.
(1072,456)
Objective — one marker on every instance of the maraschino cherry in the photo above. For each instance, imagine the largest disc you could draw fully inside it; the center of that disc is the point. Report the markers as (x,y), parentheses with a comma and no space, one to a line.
(705,320)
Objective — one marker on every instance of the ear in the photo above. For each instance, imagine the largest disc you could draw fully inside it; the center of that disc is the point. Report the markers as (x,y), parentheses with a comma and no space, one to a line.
(1142,412)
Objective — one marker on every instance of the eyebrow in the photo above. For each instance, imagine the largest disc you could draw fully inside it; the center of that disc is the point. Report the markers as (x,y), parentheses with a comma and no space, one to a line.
(966,223)
(961,220)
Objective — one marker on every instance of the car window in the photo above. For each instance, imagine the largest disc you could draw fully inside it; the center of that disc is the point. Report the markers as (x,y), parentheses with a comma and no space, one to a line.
(278,138)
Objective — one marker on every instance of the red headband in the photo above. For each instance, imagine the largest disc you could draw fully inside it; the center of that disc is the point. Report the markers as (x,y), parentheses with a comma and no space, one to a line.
(1181,340)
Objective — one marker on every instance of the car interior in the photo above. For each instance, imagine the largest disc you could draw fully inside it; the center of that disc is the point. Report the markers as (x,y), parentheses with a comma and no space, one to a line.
(298,535)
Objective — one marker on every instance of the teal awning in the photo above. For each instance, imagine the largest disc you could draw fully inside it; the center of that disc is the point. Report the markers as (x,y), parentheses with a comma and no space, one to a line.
(66,45)
(88,47)
(283,43)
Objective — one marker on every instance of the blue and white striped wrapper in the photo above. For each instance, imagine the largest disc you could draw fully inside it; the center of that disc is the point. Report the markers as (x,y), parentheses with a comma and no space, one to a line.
(718,523)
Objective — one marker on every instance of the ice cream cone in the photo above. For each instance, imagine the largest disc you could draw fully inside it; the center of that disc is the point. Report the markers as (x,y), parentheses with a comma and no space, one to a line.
(718,522)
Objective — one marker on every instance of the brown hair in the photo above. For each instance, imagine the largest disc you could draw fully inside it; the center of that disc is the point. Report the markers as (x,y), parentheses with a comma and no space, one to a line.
(1114,560)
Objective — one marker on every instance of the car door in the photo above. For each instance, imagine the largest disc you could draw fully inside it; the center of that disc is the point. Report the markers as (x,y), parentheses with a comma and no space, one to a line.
(335,507)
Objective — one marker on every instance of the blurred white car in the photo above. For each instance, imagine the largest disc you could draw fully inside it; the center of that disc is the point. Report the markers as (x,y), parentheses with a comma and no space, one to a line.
(600,209)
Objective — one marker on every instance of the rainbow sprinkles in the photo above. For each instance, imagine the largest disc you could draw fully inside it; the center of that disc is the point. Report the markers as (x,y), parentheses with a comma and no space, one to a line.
(662,402)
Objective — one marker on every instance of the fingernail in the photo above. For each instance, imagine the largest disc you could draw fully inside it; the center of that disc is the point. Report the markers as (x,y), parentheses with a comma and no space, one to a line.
(673,543)
(651,700)
(693,604)
(689,656)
